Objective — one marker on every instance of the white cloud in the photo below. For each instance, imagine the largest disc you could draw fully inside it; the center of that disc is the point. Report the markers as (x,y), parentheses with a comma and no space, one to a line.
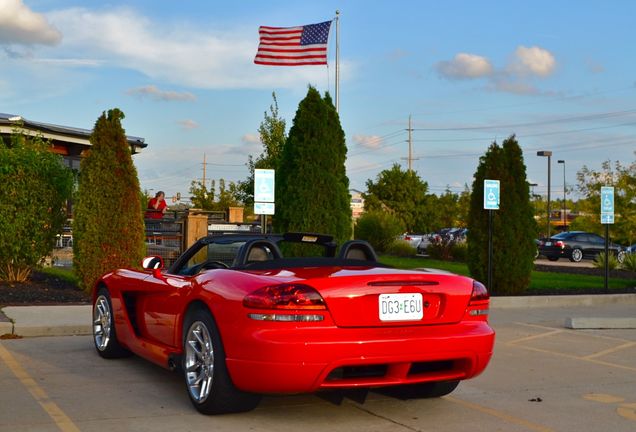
(188,124)
(368,141)
(251,138)
(20,25)
(465,66)
(184,55)
(532,61)
(516,77)
(153,92)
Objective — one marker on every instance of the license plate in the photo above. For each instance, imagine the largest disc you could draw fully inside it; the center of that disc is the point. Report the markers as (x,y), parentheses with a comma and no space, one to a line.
(401,307)
(548,243)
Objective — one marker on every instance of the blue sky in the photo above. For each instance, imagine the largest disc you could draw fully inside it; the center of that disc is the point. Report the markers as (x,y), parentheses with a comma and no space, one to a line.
(561,75)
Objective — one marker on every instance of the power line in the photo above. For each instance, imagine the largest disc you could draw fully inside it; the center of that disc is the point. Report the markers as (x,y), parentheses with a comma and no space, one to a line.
(539,123)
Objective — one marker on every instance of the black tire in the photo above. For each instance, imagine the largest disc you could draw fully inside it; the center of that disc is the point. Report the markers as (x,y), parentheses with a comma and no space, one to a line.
(218,395)
(553,258)
(577,255)
(104,333)
(422,390)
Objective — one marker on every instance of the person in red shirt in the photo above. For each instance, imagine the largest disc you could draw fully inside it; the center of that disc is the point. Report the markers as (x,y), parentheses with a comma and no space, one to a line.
(156,206)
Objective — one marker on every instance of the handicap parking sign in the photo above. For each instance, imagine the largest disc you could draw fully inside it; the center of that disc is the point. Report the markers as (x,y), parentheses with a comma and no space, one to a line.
(607,205)
(491,194)
(264,185)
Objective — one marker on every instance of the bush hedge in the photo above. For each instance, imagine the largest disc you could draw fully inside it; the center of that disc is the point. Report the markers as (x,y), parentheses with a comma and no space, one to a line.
(35,188)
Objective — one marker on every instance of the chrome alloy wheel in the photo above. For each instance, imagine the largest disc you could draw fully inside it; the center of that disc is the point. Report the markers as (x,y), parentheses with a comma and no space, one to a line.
(102,322)
(199,361)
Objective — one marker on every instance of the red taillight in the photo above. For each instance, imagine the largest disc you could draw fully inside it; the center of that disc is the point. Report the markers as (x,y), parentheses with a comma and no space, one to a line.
(285,296)
(560,244)
(479,292)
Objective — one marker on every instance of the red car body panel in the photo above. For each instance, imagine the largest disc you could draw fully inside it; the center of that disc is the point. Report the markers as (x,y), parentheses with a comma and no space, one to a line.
(448,343)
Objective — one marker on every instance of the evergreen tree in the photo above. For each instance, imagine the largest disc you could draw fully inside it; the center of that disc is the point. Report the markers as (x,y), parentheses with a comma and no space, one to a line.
(513,224)
(312,188)
(108,226)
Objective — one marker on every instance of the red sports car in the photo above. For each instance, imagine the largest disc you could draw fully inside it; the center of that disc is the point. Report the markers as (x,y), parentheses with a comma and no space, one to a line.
(240,320)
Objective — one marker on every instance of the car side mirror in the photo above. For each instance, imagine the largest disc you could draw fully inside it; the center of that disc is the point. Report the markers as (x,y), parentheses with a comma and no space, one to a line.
(154,263)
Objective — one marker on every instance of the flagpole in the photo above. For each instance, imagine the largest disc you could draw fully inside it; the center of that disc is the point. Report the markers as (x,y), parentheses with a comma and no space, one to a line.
(337,61)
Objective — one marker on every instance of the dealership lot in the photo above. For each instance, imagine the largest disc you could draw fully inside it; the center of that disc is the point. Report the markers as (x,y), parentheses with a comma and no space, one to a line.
(543,377)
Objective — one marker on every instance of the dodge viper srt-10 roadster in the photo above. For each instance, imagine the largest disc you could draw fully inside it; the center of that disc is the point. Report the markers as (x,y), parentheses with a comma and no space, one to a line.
(239,320)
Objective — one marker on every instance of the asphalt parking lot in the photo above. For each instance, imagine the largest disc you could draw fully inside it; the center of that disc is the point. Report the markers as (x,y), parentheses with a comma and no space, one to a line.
(543,377)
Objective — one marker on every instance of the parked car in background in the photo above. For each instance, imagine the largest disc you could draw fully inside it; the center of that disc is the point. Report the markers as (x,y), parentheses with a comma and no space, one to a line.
(412,239)
(631,249)
(576,245)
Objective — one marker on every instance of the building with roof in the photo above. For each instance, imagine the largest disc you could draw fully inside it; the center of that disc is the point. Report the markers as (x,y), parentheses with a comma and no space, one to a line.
(70,142)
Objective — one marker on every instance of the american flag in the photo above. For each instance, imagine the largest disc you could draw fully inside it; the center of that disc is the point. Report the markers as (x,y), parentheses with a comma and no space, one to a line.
(293,46)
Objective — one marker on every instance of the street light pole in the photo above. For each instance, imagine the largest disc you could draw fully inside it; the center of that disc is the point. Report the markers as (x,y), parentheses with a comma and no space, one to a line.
(565,218)
(548,154)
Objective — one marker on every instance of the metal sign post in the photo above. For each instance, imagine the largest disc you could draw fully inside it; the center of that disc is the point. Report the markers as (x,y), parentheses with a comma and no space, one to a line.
(607,218)
(264,187)
(491,202)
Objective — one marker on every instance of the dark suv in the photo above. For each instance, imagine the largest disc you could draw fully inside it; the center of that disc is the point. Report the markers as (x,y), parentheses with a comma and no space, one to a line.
(577,245)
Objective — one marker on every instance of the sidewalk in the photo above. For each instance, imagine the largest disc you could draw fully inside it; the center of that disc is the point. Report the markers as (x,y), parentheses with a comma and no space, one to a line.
(29,321)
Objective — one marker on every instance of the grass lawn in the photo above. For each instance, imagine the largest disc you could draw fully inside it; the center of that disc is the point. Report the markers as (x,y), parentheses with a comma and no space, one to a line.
(67,274)
(539,281)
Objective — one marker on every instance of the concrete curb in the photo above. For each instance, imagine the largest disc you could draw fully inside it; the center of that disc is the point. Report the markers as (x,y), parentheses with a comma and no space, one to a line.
(580,323)
(32,321)
(561,301)
(6,328)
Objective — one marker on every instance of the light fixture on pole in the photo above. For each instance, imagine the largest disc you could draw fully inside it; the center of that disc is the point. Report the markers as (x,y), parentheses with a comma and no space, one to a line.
(565,218)
(548,154)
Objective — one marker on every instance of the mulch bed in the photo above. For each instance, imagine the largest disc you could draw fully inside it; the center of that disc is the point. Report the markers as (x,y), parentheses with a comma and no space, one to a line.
(42,289)
(613,274)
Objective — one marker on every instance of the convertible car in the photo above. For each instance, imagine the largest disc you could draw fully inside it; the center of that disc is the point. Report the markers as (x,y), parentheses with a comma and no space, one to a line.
(239,320)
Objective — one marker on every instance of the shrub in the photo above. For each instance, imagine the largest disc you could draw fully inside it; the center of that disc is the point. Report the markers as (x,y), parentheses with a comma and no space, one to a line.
(612,264)
(378,228)
(459,251)
(514,221)
(630,262)
(35,187)
(400,248)
(108,228)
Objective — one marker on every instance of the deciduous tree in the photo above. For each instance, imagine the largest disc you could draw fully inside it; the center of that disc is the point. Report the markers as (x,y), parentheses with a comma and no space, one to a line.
(35,188)
(623,179)
(404,194)
(272,135)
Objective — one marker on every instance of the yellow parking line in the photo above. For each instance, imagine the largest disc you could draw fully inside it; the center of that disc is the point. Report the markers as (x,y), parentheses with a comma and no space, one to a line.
(538,336)
(499,414)
(57,415)
(570,356)
(579,332)
(628,411)
(610,350)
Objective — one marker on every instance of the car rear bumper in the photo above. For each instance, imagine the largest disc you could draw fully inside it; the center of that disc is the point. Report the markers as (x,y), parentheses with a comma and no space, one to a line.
(555,252)
(298,361)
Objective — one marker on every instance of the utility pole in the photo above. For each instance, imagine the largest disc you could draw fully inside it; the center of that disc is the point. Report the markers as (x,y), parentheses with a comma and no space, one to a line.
(410,157)
(410,146)
(204,166)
